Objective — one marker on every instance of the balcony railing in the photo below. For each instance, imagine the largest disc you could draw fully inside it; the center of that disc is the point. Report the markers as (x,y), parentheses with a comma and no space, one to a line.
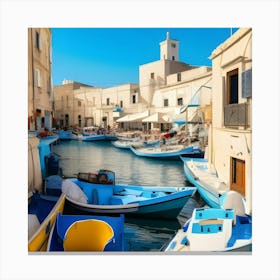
(236,115)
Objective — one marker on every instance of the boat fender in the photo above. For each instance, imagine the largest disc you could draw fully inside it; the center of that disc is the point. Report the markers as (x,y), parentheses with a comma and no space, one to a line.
(73,191)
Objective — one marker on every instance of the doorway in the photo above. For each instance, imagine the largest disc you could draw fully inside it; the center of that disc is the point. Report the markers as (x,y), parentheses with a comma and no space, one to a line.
(237,182)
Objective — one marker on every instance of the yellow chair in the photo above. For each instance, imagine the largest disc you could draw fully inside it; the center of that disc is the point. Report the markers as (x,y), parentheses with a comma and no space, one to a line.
(88,235)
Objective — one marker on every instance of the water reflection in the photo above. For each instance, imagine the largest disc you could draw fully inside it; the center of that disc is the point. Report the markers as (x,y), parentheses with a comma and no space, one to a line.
(140,234)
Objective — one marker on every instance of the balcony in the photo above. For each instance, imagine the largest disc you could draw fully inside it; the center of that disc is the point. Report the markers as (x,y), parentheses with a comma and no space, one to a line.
(236,115)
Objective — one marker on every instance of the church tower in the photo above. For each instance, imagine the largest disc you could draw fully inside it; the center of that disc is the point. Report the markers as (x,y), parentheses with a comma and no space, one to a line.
(169,49)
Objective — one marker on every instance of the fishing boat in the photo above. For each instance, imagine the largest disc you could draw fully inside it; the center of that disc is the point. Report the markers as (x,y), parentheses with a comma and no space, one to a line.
(98,137)
(211,229)
(136,143)
(42,212)
(87,233)
(205,178)
(97,193)
(68,135)
(165,151)
(93,137)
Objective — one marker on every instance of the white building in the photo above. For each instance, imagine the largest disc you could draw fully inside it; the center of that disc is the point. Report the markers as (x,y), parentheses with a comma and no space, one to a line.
(230,139)
(164,87)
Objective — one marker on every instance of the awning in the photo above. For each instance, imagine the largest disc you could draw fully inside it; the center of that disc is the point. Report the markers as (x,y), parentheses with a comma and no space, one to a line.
(134,117)
(158,118)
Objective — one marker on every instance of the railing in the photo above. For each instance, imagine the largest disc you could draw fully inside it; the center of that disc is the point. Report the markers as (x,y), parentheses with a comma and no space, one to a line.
(236,115)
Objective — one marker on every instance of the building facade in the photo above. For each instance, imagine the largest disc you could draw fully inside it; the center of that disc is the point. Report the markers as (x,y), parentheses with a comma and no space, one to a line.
(230,139)
(81,105)
(72,110)
(164,87)
(40,99)
(153,75)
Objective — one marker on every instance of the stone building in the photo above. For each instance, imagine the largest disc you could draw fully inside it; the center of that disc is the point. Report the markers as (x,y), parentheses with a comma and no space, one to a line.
(40,102)
(69,110)
(164,87)
(230,135)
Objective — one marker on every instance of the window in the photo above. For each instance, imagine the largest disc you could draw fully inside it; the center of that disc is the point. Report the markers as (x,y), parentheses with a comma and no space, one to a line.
(173,57)
(38,41)
(121,104)
(108,101)
(165,102)
(79,120)
(67,101)
(152,75)
(79,104)
(180,101)
(238,175)
(37,78)
(66,120)
(133,99)
(48,86)
(178,77)
(232,87)
(173,45)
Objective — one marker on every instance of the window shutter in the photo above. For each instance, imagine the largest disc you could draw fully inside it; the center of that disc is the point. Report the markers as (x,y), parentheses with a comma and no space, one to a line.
(247,83)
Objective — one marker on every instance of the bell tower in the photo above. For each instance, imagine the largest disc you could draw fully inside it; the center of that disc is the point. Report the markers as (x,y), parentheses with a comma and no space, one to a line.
(169,49)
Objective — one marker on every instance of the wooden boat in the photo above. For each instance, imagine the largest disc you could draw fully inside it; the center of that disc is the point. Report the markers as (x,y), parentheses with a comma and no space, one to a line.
(165,151)
(202,176)
(87,233)
(98,194)
(211,229)
(136,143)
(99,137)
(94,137)
(42,211)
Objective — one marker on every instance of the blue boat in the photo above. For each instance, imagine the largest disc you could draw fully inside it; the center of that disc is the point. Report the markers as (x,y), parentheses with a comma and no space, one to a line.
(208,184)
(165,151)
(210,229)
(94,137)
(87,233)
(97,194)
(99,137)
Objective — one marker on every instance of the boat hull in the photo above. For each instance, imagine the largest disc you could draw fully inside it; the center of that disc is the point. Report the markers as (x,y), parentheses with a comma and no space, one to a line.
(211,198)
(163,153)
(38,241)
(162,210)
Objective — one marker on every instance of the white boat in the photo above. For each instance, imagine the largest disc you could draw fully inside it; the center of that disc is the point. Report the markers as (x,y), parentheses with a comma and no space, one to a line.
(135,142)
(211,229)
(205,178)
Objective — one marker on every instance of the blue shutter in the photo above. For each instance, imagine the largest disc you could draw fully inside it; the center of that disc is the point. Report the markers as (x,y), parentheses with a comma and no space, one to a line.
(247,83)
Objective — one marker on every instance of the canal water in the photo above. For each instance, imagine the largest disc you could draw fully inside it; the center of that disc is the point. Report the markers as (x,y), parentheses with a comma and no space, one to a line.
(140,234)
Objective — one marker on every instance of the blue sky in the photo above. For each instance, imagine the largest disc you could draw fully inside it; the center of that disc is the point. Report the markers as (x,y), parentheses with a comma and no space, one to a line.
(106,57)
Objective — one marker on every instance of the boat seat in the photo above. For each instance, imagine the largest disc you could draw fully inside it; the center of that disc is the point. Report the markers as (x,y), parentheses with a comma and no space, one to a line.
(102,196)
(88,235)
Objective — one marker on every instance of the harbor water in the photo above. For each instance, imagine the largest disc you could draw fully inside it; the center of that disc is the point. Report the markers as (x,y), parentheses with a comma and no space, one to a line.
(140,234)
